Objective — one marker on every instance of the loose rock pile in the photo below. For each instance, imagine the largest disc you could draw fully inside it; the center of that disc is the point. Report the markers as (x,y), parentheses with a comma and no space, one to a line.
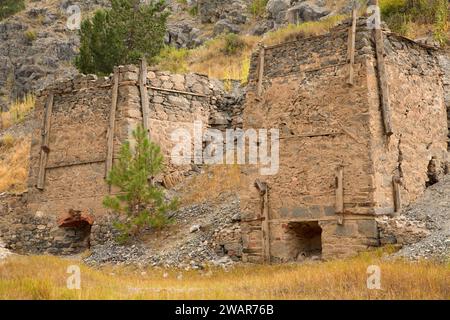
(195,241)
(4,253)
(423,230)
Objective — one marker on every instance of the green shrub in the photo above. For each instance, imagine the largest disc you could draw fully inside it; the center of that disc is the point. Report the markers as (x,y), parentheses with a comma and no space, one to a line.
(391,7)
(193,11)
(233,44)
(173,59)
(140,199)
(441,21)
(401,15)
(258,8)
(30,35)
(10,7)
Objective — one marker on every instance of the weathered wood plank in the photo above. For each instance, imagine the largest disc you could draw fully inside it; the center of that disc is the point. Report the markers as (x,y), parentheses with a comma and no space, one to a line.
(382,77)
(262,53)
(178,91)
(265,221)
(339,205)
(111,125)
(397,195)
(144,96)
(45,141)
(312,135)
(351,47)
(266,227)
(75,163)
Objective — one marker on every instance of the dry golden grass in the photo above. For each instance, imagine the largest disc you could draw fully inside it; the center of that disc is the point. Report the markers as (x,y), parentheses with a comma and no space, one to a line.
(215,181)
(294,31)
(14,161)
(213,59)
(210,59)
(44,277)
(17,112)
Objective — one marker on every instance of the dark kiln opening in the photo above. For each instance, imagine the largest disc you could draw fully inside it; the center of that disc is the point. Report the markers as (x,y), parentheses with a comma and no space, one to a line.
(306,239)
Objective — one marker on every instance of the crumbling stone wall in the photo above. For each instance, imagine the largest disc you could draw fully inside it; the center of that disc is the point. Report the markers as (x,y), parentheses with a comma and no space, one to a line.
(444,61)
(419,120)
(326,124)
(77,150)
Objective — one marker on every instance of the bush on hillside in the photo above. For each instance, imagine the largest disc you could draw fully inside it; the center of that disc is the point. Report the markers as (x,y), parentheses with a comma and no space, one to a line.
(121,35)
(402,15)
(10,7)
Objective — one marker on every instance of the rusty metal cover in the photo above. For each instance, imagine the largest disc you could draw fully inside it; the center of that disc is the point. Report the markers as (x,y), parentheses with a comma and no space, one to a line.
(75,219)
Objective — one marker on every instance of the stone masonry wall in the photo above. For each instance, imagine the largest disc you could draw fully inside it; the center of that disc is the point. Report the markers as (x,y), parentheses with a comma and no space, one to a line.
(75,170)
(322,126)
(419,121)
(324,123)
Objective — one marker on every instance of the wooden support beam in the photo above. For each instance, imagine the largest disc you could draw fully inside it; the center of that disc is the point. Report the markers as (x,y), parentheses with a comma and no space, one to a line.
(265,222)
(111,125)
(144,96)
(178,91)
(266,227)
(396,182)
(312,135)
(351,46)
(339,205)
(74,163)
(382,76)
(45,132)
(262,53)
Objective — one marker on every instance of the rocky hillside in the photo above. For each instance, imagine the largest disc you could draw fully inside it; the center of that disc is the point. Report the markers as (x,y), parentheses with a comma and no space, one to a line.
(37,47)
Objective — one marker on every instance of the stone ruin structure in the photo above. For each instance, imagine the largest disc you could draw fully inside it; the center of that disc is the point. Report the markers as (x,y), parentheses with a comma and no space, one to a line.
(82,124)
(363,130)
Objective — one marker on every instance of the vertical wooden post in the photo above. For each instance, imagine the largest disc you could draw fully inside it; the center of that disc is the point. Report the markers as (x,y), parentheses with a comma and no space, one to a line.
(45,132)
(262,53)
(397,195)
(111,125)
(144,96)
(339,205)
(351,46)
(382,76)
(265,226)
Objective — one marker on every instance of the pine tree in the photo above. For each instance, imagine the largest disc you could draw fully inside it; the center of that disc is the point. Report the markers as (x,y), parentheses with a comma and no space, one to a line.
(121,35)
(139,197)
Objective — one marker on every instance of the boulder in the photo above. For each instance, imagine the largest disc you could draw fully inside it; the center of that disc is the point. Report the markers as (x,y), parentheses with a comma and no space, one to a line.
(225,26)
(277,9)
(306,11)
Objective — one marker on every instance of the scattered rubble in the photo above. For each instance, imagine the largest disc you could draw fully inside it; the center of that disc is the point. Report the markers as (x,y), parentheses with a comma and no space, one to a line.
(203,234)
(423,229)
(4,253)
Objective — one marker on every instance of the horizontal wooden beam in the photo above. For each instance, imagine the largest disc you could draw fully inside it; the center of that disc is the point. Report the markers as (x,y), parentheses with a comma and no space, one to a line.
(75,163)
(312,135)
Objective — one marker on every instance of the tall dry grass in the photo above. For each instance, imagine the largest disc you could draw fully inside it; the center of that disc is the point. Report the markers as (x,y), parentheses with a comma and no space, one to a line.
(217,180)
(306,29)
(14,163)
(44,277)
(17,112)
(216,60)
